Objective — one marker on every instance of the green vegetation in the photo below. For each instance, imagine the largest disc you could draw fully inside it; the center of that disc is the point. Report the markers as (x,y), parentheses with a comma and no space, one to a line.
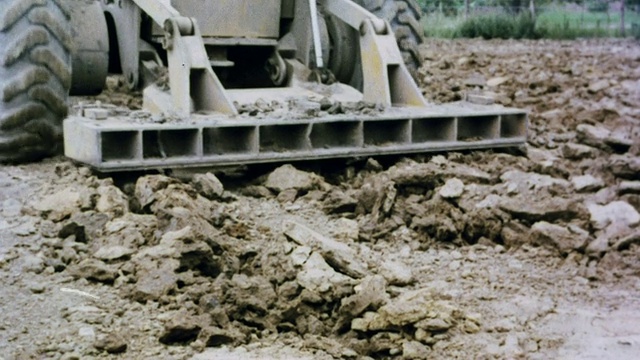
(502,19)
(499,26)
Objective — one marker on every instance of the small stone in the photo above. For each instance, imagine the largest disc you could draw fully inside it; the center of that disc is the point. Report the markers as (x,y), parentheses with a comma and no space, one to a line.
(111,343)
(300,255)
(625,166)
(598,85)
(587,183)
(32,263)
(433,325)
(93,269)
(452,189)
(147,187)
(414,350)
(497,81)
(287,196)
(598,247)
(112,201)
(346,229)
(629,187)
(592,135)
(208,185)
(397,273)
(339,255)
(180,328)
(115,252)
(11,208)
(557,237)
(627,241)
(37,287)
(87,332)
(573,151)
(370,293)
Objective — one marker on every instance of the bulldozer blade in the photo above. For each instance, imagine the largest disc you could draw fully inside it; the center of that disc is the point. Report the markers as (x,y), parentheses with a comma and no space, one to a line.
(122,140)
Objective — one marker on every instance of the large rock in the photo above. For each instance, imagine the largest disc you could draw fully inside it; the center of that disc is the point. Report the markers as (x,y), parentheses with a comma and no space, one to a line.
(549,209)
(112,201)
(557,237)
(452,189)
(618,213)
(339,255)
(208,185)
(147,187)
(288,177)
(64,203)
(573,151)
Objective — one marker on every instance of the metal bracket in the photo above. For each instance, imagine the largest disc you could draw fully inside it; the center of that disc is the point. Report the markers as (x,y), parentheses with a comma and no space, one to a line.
(193,85)
(386,78)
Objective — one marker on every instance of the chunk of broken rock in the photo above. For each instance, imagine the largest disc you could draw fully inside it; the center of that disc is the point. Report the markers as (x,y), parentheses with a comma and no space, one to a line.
(557,237)
(147,186)
(322,280)
(288,177)
(396,273)
(114,252)
(180,328)
(592,135)
(549,209)
(339,255)
(625,166)
(617,212)
(586,183)
(63,203)
(208,185)
(578,151)
(93,269)
(111,343)
(452,189)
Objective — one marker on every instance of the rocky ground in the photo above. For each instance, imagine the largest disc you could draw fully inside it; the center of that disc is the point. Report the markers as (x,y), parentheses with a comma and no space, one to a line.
(529,253)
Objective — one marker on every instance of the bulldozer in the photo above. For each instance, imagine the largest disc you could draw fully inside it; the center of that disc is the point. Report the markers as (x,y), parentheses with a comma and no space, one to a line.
(227,82)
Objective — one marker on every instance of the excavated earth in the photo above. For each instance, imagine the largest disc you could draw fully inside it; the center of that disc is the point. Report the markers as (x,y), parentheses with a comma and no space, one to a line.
(528,253)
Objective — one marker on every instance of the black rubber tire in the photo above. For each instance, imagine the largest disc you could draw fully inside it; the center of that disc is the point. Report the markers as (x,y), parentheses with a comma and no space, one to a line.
(404,17)
(35,76)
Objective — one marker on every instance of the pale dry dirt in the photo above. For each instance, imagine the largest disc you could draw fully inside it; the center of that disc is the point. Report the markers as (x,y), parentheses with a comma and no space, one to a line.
(529,253)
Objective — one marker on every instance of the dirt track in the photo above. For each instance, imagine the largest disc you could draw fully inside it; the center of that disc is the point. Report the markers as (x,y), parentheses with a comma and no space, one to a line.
(522,254)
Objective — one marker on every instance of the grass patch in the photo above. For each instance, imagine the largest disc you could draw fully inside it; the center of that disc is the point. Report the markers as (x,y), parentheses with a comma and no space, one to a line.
(499,26)
(551,23)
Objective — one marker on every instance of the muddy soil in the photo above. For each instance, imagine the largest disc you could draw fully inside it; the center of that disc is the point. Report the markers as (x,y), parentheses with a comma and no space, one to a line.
(525,253)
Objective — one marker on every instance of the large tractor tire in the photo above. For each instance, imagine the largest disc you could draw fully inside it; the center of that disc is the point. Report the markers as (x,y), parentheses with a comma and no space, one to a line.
(404,17)
(35,76)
